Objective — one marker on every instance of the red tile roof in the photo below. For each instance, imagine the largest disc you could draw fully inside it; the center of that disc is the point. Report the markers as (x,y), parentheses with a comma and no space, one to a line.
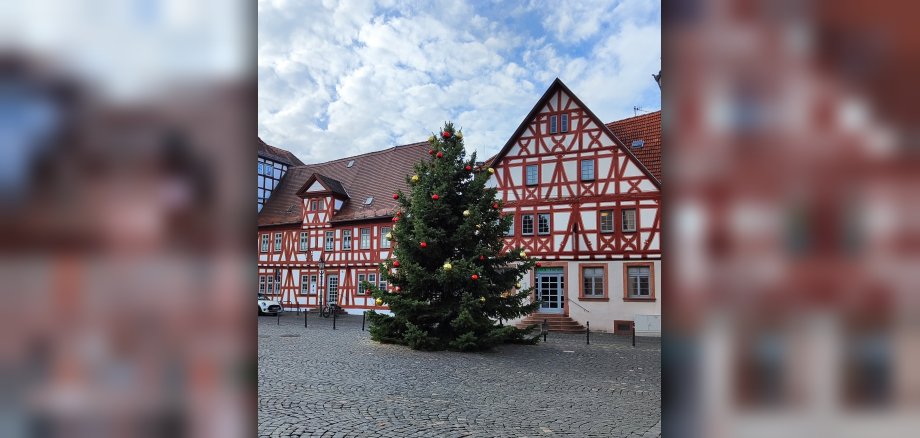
(646,127)
(375,174)
(277,154)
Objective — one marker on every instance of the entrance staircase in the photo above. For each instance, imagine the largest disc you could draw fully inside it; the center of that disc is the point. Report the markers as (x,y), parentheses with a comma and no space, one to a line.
(555,322)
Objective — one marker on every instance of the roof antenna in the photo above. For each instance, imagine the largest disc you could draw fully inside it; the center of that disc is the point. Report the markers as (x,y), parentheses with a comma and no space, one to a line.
(636,110)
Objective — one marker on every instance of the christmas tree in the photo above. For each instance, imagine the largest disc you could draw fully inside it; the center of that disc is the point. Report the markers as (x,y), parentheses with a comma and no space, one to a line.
(451,285)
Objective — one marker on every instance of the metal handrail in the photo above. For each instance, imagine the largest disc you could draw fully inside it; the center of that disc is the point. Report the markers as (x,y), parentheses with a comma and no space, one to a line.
(579,305)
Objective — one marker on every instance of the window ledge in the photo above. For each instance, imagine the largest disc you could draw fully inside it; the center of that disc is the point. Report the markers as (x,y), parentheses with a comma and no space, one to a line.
(593,299)
(639,299)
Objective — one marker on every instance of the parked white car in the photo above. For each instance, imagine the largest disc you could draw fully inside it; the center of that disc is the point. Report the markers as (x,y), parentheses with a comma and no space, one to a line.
(268,306)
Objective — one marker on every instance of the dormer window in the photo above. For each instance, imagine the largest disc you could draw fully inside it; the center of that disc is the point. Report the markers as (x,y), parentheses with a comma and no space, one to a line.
(350,163)
(369,201)
(313,205)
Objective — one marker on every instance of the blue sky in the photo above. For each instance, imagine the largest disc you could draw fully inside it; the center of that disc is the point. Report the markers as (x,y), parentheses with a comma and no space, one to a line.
(344,78)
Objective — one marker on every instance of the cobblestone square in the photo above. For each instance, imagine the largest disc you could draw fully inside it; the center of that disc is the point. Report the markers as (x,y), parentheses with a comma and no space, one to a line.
(318,382)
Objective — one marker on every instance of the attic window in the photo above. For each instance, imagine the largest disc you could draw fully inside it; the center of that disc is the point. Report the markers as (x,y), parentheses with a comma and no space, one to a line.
(350,163)
(638,144)
(369,200)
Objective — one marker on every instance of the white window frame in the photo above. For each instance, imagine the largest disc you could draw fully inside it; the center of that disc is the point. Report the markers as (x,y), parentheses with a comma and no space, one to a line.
(524,227)
(262,284)
(304,240)
(332,288)
(346,240)
(277,241)
(629,223)
(330,241)
(549,228)
(581,169)
(600,221)
(361,279)
(365,236)
(304,284)
(635,287)
(552,124)
(564,123)
(596,280)
(528,174)
(265,242)
(384,243)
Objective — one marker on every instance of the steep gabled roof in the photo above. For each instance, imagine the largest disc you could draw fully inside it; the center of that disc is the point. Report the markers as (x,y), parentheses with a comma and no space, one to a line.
(330,184)
(376,174)
(557,85)
(277,154)
(646,127)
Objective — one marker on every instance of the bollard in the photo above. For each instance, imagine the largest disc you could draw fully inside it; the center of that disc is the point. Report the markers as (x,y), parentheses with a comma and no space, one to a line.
(305,312)
(279,317)
(544,330)
(588,334)
(334,314)
(363,317)
(634,333)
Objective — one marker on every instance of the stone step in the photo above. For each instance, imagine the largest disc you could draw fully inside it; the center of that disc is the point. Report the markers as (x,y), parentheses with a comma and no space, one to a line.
(554,322)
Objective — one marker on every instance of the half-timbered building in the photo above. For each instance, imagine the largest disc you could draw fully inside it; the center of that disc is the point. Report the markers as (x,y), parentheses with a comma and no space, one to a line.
(272,166)
(322,232)
(589,209)
(586,202)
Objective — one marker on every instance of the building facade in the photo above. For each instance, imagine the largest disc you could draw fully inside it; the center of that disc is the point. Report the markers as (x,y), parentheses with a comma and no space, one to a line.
(585,198)
(589,209)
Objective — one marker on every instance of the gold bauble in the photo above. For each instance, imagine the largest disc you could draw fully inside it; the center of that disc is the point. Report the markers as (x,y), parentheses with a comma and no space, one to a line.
(431,139)
(415,178)
(378,302)
(460,135)
(482,299)
(389,236)
(466,212)
(518,285)
(448,266)
(523,253)
(491,171)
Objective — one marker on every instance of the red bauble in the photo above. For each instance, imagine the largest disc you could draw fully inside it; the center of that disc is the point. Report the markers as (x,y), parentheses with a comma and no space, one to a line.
(468,168)
(445,134)
(399,213)
(474,277)
(398,289)
(495,206)
(423,245)
(440,154)
(396,264)
(430,151)
(435,196)
(482,257)
(395,195)
(395,218)
(539,264)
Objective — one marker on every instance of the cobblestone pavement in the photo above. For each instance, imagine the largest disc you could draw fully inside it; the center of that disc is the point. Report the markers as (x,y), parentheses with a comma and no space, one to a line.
(320,382)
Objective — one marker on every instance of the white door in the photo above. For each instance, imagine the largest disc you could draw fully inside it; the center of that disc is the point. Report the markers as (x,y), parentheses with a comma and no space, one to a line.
(332,288)
(550,284)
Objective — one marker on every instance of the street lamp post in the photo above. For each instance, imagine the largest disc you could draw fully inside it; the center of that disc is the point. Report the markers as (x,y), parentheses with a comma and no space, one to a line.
(322,272)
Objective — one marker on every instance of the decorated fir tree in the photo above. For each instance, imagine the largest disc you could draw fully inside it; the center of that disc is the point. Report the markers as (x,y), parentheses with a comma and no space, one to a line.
(450,284)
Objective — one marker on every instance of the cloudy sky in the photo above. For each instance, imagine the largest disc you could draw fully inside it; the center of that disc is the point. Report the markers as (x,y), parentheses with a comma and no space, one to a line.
(344,78)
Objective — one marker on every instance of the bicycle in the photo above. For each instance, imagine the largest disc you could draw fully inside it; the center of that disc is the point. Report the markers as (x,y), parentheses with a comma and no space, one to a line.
(327,311)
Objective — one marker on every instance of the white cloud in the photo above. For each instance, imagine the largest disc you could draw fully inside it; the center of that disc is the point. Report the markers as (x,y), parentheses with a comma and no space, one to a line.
(339,79)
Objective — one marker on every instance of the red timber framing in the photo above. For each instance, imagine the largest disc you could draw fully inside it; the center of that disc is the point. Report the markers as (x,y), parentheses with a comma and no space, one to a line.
(573,194)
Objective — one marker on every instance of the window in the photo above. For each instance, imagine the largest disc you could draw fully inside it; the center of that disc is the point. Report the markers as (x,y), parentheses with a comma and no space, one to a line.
(365,238)
(384,243)
(638,279)
(330,240)
(265,243)
(607,221)
(552,124)
(261,284)
(510,230)
(372,279)
(383,283)
(304,284)
(629,220)
(313,205)
(531,175)
(304,241)
(277,241)
(564,125)
(527,224)
(346,239)
(361,279)
(587,170)
(322,204)
(592,284)
(270,284)
(260,168)
(543,223)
